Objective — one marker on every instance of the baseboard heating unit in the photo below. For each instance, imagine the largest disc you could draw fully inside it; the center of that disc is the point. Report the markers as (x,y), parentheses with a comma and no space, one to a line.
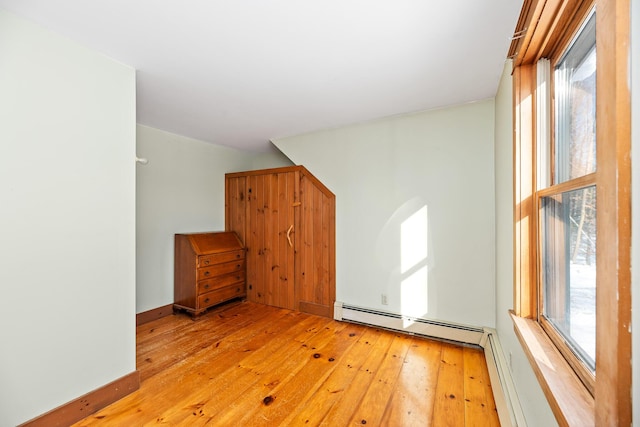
(507,403)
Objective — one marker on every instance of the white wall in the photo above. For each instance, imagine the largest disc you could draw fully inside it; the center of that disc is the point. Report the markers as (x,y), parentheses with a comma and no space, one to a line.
(180,190)
(414,210)
(273,158)
(534,404)
(67,220)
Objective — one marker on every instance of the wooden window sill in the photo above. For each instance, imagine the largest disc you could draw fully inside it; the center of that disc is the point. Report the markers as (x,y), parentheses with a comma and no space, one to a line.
(569,399)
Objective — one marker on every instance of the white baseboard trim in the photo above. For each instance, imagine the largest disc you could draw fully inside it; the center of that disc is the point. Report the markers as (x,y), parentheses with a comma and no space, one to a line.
(504,390)
(408,324)
(507,403)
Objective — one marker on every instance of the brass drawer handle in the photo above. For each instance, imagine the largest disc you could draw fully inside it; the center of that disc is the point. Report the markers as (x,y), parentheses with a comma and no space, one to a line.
(206,262)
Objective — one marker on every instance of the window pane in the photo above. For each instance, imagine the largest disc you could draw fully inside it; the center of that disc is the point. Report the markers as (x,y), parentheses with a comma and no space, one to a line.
(575,107)
(569,268)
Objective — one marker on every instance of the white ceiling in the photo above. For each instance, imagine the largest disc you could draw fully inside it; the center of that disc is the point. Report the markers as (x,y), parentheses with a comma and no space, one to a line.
(241,72)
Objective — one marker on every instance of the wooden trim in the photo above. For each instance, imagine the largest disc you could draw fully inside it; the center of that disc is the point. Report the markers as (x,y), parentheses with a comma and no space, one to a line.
(316,182)
(317,309)
(263,171)
(332,254)
(529,16)
(524,182)
(551,25)
(613,194)
(575,184)
(521,28)
(154,314)
(536,21)
(304,171)
(227,209)
(544,27)
(570,401)
(567,29)
(542,24)
(87,404)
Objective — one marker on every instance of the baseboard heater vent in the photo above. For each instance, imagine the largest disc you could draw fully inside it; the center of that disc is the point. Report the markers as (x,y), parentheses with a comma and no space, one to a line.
(413,325)
(504,393)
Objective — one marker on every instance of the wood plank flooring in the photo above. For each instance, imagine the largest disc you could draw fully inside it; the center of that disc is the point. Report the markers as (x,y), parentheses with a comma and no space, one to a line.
(248,364)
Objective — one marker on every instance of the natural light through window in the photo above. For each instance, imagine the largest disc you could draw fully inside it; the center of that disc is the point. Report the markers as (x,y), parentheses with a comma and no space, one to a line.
(413,240)
(568,212)
(413,265)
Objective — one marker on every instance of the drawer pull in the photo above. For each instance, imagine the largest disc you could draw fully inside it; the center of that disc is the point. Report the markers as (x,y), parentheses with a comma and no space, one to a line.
(206,262)
(206,300)
(206,273)
(206,286)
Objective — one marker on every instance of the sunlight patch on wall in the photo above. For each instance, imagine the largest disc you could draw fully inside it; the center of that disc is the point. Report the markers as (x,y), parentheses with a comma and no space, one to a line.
(414,295)
(413,240)
(413,265)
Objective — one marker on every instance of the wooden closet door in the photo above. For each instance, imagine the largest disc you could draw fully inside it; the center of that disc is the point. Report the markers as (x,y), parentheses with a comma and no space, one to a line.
(315,259)
(270,227)
(286,219)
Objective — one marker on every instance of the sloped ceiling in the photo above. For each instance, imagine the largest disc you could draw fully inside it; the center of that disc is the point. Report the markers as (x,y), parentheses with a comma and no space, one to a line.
(241,72)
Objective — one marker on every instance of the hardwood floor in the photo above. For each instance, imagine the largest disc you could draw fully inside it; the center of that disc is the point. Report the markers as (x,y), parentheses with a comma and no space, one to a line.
(253,365)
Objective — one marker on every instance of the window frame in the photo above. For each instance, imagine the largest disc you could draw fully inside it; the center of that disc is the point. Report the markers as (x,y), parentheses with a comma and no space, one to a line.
(546,29)
(553,188)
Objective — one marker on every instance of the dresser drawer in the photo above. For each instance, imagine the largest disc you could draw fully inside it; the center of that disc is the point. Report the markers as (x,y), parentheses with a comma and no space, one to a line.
(222,294)
(220,269)
(207,260)
(220,282)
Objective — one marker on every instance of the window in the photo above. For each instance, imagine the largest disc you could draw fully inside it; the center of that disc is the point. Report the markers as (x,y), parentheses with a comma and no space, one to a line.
(572,207)
(567,208)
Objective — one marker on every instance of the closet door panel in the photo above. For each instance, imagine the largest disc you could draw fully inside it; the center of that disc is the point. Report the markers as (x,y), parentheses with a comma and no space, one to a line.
(254,239)
(279,228)
(284,270)
(306,255)
(323,263)
(270,247)
(329,219)
(236,206)
(315,277)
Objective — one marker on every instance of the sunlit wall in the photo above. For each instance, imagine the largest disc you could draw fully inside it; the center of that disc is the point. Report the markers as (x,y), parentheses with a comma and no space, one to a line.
(414,211)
